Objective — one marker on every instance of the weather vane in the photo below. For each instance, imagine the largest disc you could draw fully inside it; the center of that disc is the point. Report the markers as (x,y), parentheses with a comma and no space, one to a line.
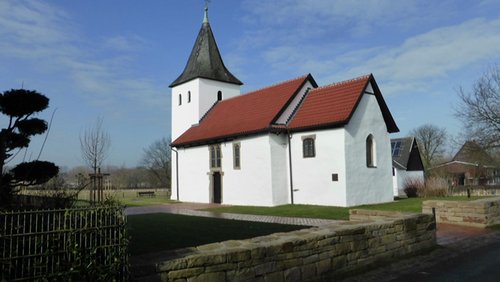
(205,19)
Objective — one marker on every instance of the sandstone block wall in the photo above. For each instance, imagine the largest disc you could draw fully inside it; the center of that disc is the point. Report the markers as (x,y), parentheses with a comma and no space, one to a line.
(309,254)
(478,213)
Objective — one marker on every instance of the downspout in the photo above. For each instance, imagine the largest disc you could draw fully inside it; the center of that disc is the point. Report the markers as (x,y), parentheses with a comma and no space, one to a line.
(289,136)
(176,170)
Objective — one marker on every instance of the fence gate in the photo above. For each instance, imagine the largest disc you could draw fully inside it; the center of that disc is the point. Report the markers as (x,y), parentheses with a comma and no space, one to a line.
(72,244)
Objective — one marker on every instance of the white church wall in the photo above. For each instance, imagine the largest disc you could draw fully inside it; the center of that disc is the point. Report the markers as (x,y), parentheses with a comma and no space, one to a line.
(252,183)
(366,185)
(185,114)
(279,169)
(194,181)
(312,177)
(209,94)
(188,113)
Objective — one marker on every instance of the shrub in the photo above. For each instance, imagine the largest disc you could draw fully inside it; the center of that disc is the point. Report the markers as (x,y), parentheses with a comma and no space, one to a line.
(434,187)
(412,186)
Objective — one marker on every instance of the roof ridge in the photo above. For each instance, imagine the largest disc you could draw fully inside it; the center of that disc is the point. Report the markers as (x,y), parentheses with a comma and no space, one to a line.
(264,88)
(276,84)
(343,82)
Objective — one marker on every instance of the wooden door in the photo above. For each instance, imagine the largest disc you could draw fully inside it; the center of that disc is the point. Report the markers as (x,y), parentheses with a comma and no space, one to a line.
(217,186)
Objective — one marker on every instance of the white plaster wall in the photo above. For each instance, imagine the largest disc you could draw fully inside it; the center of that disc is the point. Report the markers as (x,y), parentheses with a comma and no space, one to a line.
(208,93)
(194,182)
(252,184)
(279,169)
(186,114)
(289,110)
(203,96)
(368,185)
(312,177)
(398,182)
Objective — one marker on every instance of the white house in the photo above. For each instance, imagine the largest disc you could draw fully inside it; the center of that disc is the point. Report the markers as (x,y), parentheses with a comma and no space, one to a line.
(406,164)
(292,142)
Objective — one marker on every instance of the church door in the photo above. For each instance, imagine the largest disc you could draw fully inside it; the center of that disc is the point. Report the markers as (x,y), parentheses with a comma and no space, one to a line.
(217,187)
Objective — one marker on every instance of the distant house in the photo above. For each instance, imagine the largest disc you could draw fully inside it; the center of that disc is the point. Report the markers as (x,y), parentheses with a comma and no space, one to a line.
(406,163)
(471,166)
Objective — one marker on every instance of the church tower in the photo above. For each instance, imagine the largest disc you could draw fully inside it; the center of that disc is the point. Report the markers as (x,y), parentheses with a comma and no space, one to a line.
(204,81)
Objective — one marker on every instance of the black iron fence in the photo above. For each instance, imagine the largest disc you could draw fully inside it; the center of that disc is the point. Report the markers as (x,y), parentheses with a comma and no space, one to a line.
(81,244)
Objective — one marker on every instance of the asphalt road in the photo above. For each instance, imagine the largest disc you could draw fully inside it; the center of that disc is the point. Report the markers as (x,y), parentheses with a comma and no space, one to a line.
(475,258)
(479,265)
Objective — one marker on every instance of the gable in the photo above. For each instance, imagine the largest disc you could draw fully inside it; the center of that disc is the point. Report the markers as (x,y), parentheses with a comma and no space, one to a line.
(335,104)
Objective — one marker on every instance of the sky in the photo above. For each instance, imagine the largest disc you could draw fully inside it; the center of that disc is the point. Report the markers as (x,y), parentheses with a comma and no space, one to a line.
(114,59)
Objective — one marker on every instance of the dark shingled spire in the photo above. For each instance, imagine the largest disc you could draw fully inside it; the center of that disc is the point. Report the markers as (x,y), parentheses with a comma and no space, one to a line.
(205,60)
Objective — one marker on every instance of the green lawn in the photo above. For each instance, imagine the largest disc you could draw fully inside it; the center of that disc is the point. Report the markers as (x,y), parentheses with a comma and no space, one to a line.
(310,211)
(326,212)
(129,198)
(160,232)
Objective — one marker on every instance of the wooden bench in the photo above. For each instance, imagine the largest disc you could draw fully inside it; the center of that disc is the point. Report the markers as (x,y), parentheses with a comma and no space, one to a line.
(146,194)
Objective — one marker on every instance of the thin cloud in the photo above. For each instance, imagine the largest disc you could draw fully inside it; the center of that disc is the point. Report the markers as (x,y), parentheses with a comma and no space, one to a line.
(47,38)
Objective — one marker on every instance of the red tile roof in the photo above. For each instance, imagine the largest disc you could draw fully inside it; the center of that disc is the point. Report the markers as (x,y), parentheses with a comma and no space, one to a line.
(330,104)
(333,105)
(250,113)
(324,107)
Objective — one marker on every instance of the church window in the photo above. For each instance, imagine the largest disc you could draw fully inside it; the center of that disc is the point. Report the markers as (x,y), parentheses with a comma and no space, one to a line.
(180,99)
(236,155)
(219,95)
(215,156)
(371,152)
(308,147)
(189,96)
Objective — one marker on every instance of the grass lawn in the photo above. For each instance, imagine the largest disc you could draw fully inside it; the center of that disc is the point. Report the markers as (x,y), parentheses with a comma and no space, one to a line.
(159,232)
(129,197)
(326,212)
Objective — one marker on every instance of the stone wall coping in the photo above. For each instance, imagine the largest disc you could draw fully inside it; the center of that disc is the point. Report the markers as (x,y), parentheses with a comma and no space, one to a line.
(279,243)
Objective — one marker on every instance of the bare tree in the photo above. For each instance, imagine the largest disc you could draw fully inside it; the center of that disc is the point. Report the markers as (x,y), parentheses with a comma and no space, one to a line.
(431,140)
(157,159)
(94,144)
(479,110)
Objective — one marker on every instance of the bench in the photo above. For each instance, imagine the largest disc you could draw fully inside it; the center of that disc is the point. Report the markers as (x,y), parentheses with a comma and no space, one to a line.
(146,194)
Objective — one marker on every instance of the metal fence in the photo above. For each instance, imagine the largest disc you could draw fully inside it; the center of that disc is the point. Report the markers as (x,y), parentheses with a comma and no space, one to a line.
(72,244)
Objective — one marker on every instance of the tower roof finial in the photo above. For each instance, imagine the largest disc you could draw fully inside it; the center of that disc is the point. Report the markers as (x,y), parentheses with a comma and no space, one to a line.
(205,18)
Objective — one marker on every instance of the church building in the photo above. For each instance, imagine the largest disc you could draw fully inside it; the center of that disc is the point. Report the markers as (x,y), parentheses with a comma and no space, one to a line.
(289,143)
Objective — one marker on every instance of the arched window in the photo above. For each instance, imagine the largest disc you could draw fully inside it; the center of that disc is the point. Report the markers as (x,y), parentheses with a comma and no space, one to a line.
(189,96)
(308,149)
(180,99)
(236,156)
(219,95)
(371,152)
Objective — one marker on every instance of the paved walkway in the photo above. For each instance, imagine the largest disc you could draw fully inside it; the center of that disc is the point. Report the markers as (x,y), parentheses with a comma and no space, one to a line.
(454,241)
(194,209)
(446,233)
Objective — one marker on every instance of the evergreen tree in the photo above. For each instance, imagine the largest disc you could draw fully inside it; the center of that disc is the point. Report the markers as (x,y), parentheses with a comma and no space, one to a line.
(19,106)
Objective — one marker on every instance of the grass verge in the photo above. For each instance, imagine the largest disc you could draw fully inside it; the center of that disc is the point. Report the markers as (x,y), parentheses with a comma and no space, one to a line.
(129,198)
(413,205)
(309,211)
(160,232)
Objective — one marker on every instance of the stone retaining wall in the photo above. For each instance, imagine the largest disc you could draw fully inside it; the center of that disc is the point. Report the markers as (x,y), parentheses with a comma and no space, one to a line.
(316,253)
(476,190)
(478,213)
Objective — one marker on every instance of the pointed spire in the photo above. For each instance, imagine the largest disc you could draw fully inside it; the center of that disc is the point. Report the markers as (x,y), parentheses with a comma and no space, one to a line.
(205,60)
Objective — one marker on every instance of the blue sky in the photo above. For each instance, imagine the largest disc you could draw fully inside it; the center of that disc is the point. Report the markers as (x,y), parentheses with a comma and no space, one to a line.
(116,58)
